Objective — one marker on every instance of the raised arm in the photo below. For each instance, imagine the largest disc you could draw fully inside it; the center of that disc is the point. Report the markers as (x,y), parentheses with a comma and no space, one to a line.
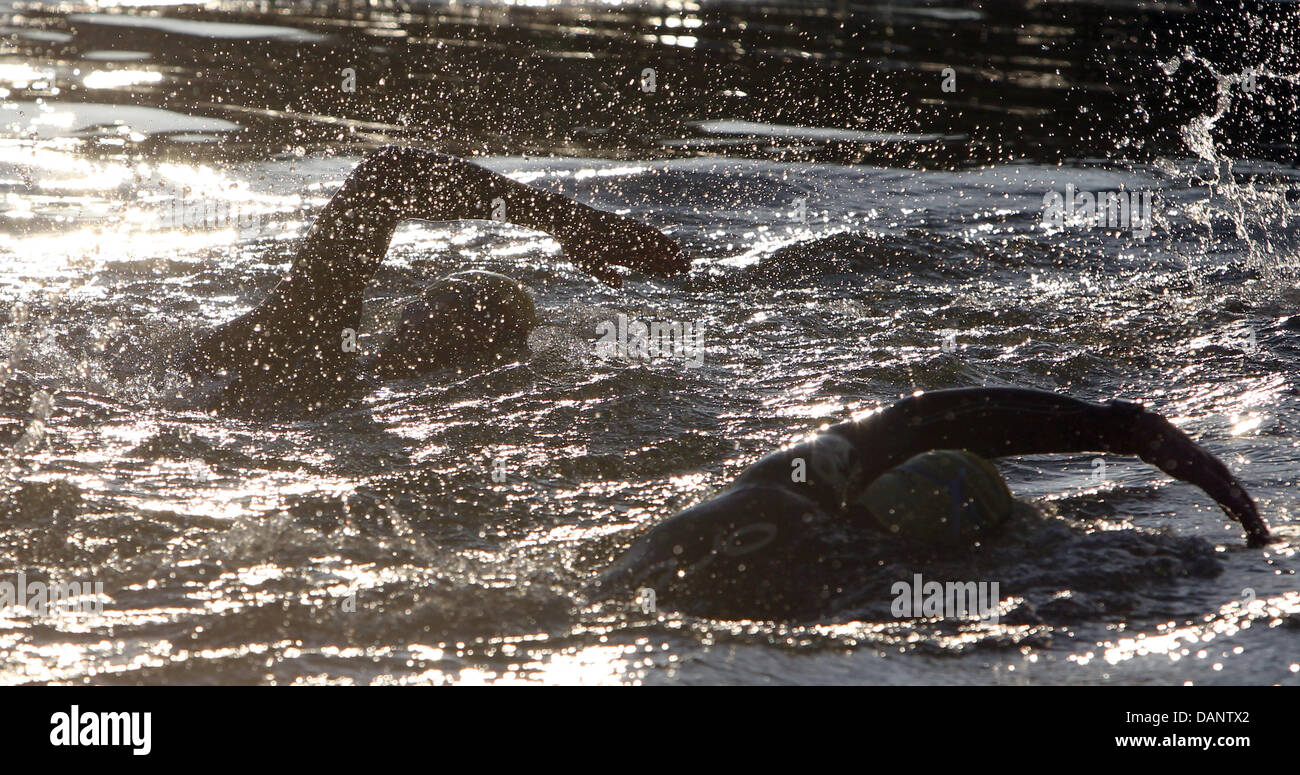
(396,183)
(1000,422)
(323,292)
(770,507)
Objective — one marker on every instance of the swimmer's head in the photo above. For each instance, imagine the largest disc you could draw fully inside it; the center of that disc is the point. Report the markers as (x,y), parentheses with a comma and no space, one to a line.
(941,497)
(466,316)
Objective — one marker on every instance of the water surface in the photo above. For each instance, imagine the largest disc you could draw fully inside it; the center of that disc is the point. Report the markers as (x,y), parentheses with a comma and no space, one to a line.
(860,234)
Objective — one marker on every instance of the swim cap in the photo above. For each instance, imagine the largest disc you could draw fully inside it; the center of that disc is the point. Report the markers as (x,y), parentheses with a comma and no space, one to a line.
(944,496)
(464,316)
(492,308)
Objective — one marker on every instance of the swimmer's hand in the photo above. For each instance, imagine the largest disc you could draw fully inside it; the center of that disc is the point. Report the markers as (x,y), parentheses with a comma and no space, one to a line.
(1159,443)
(600,243)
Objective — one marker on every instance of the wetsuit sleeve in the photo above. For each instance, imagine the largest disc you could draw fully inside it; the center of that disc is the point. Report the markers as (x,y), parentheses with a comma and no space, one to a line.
(996,422)
(777,500)
(323,292)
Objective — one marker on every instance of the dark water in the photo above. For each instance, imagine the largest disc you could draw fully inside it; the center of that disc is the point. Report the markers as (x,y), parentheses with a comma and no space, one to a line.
(860,233)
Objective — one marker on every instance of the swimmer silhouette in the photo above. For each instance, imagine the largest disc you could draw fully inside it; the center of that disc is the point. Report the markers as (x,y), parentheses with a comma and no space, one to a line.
(762,538)
(294,344)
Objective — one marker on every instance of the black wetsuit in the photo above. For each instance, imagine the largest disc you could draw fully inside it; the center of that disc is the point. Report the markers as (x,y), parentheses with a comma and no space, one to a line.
(767,530)
(292,344)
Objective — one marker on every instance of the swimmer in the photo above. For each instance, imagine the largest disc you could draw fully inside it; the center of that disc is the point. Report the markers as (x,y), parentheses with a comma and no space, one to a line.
(879,474)
(295,343)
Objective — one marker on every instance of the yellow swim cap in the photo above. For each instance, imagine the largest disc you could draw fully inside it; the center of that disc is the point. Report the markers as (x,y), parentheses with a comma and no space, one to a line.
(463,317)
(494,310)
(944,496)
